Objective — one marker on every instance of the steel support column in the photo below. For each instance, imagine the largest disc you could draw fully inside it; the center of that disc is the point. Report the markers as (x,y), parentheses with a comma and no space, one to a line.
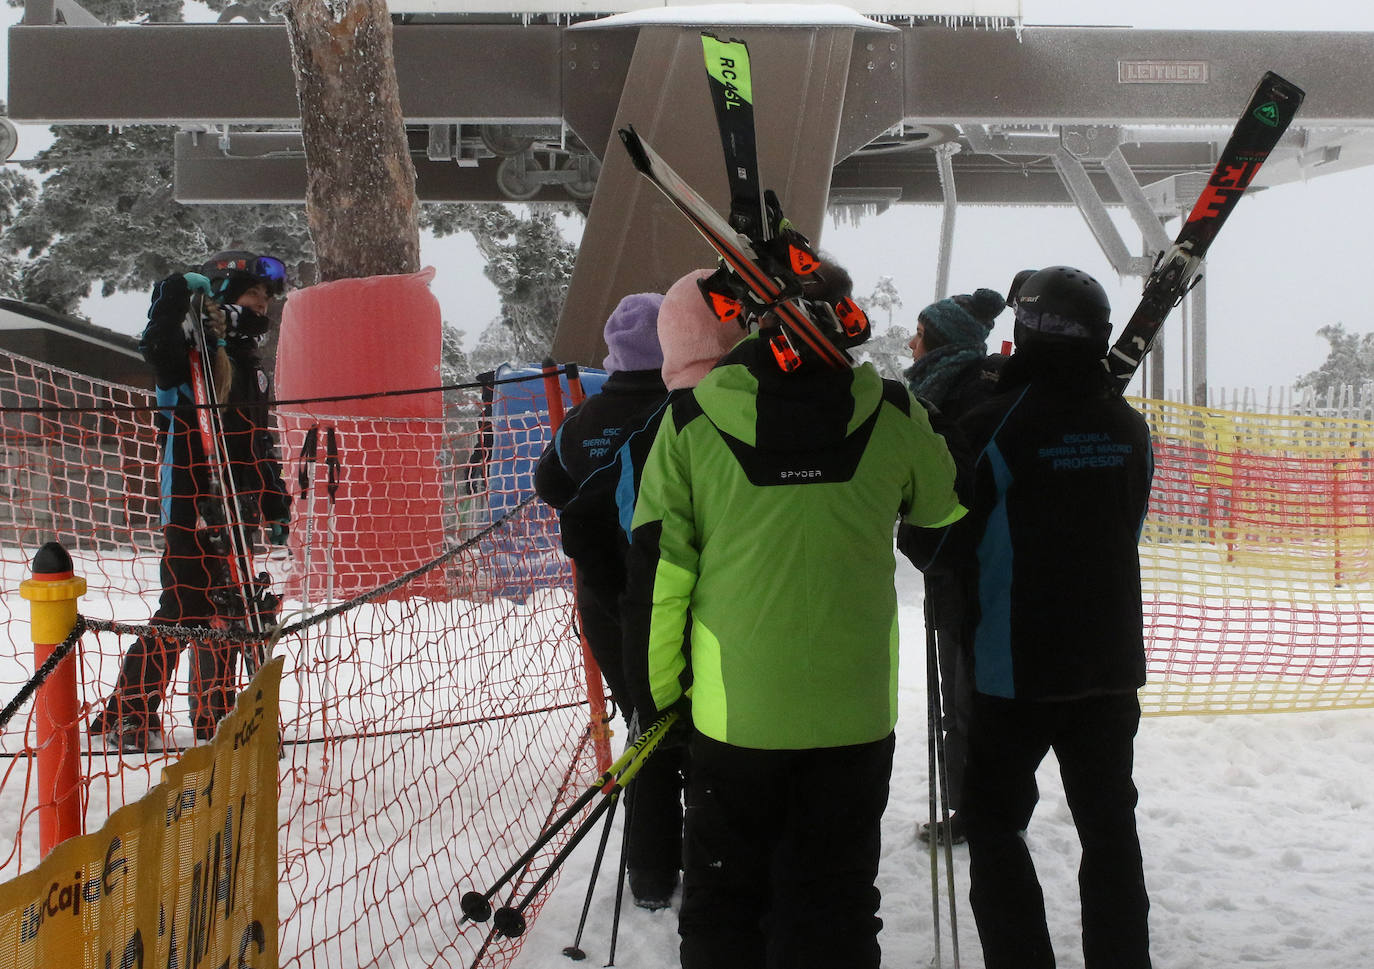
(634,240)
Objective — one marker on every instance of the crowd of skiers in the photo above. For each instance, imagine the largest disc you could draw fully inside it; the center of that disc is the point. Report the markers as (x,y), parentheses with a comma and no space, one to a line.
(731,527)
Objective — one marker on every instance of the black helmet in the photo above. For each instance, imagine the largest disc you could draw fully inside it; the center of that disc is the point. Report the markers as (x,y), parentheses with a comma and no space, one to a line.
(234,271)
(1017,282)
(1062,303)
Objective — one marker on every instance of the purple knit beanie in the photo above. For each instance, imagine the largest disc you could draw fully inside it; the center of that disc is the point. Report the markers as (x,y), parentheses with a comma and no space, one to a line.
(632,334)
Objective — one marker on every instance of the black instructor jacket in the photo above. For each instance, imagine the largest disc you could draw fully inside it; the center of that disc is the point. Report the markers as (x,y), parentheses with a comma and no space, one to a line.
(1061,483)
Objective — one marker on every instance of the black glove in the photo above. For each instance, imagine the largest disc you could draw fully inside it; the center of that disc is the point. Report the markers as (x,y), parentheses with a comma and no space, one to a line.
(678,734)
(172,296)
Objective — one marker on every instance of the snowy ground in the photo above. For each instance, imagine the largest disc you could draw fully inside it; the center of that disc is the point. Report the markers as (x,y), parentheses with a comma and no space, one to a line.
(1258,835)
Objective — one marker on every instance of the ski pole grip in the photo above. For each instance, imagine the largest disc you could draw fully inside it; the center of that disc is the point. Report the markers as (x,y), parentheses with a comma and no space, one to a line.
(646,745)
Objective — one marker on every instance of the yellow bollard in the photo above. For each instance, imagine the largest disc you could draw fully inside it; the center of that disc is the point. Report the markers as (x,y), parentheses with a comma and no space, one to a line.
(52,594)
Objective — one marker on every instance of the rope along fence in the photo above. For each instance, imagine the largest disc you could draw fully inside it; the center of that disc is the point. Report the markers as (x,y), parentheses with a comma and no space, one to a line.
(433,717)
(434,707)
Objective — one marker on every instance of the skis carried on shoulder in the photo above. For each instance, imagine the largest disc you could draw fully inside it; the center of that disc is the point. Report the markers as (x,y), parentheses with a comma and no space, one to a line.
(767,292)
(765,260)
(246,598)
(1177,270)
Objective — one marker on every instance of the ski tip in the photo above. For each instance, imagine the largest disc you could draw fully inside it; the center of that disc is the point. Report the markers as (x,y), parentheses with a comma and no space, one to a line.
(1280,86)
(635,146)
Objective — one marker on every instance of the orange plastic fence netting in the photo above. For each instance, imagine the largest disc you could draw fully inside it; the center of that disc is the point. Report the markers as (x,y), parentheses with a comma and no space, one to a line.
(429,734)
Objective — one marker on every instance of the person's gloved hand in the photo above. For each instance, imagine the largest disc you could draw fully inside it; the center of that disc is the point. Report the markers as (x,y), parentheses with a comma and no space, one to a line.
(197,283)
(216,323)
(278,530)
(678,734)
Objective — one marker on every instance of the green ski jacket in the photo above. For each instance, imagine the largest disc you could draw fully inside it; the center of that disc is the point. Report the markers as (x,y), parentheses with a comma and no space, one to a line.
(761,561)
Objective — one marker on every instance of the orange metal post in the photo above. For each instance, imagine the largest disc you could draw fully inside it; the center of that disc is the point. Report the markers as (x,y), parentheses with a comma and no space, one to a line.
(596,688)
(52,594)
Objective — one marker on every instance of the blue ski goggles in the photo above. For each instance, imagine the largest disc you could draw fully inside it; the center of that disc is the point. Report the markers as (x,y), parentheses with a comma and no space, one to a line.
(268,270)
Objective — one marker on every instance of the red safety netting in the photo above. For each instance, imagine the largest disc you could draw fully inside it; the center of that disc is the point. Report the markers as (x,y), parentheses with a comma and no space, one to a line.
(429,732)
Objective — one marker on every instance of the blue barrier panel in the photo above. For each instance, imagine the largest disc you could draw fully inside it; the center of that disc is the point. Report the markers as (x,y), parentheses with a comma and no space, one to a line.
(526,554)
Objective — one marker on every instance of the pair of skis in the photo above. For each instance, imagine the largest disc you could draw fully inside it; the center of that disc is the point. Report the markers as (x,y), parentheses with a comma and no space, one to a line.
(1177,270)
(765,261)
(766,264)
(247,599)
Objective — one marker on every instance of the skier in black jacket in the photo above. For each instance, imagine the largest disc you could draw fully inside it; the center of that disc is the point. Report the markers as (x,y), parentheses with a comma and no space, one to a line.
(953,371)
(588,440)
(590,472)
(196,586)
(1060,489)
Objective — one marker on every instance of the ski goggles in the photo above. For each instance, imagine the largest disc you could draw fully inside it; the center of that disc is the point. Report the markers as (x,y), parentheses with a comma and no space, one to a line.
(1052,324)
(269,270)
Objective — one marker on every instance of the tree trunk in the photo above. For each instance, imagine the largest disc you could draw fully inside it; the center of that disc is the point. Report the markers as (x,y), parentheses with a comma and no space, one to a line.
(360,183)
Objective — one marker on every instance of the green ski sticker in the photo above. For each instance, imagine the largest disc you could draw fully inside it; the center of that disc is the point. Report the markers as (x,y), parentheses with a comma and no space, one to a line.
(1268,113)
(728,63)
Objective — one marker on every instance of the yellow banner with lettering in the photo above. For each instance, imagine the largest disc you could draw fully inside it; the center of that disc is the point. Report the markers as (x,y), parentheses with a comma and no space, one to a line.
(186,876)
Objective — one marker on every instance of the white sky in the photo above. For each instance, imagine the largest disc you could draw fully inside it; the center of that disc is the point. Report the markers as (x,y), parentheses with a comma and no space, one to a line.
(1285,265)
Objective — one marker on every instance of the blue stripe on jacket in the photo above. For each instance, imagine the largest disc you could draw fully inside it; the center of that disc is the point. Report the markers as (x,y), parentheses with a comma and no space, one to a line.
(992,643)
(167,399)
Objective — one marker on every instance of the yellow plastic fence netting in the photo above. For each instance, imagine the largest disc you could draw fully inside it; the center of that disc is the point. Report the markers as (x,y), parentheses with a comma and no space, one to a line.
(432,730)
(1257,560)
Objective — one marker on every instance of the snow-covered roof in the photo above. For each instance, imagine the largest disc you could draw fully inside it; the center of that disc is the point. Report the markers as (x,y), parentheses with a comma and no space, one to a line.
(771,14)
(802,12)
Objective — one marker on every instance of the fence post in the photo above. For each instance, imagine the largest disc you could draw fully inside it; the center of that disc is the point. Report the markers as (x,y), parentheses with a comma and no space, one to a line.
(596,689)
(52,594)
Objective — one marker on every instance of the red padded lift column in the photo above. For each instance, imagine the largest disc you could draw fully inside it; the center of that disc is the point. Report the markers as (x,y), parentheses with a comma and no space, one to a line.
(364,336)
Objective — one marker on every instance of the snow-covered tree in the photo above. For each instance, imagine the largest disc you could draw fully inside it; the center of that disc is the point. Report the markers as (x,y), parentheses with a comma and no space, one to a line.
(495,346)
(887,351)
(528,261)
(1349,363)
(16,189)
(884,296)
(105,213)
(454,367)
(125,11)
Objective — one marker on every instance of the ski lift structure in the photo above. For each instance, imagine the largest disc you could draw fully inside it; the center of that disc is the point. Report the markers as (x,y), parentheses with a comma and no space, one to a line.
(877,103)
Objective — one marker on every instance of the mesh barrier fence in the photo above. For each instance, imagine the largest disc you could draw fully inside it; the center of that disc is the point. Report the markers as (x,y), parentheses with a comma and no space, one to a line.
(434,706)
(429,733)
(1257,560)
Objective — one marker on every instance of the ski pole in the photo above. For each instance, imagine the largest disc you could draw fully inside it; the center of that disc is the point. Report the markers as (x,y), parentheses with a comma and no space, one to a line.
(510,920)
(332,468)
(942,772)
(933,727)
(476,906)
(620,887)
(216,450)
(574,951)
(309,455)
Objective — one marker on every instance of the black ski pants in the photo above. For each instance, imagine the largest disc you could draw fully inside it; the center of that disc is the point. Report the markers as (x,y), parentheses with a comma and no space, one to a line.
(781,855)
(189,571)
(653,803)
(1093,740)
